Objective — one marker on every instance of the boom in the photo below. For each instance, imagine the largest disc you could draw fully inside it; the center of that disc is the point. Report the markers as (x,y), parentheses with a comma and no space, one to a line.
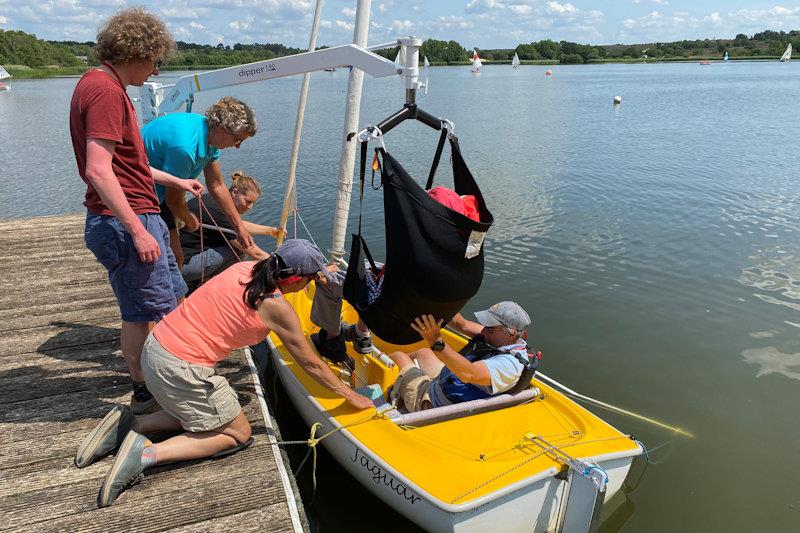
(158,99)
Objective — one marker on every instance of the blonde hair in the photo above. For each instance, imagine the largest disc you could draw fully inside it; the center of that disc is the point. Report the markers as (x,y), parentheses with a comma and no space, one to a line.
(232,115)
(244,183)
(133,34)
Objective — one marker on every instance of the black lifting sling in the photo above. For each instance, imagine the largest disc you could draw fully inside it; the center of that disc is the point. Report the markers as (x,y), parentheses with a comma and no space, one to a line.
(434,255)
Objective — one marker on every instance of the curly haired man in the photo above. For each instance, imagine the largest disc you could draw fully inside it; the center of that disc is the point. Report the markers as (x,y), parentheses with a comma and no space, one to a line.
(123,227)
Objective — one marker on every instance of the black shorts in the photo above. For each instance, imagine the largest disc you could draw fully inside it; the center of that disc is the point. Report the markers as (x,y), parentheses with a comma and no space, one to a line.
(167,215)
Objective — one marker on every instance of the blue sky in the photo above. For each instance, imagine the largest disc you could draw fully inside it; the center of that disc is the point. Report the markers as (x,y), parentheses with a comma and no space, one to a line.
(473,23)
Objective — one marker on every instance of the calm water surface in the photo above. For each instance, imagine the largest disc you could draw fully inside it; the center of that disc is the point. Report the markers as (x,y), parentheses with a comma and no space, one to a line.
(655,243)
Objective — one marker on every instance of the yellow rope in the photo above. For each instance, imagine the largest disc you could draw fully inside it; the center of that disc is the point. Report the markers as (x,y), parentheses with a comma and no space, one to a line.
(313,440)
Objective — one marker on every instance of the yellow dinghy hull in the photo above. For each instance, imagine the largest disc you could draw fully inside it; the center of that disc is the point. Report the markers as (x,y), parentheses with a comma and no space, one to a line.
(472,473)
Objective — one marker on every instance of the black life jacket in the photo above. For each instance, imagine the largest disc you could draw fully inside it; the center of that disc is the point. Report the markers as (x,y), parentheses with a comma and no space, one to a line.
(476,350)
(434,255)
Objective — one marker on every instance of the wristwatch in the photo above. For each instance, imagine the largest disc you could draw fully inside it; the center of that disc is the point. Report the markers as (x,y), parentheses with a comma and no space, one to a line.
(438,346)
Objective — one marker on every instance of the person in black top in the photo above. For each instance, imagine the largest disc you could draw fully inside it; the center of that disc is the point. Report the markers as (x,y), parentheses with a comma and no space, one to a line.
(221,248)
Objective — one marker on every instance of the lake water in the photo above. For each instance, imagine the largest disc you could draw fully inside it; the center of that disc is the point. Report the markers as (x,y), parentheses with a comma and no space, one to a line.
(655,244)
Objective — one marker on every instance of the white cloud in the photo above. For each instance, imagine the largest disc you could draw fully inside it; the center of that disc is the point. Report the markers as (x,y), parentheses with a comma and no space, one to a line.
(481,6)
(345,25)
(555,7)
(520,9)
(402,26)
(3,20)
(349,12)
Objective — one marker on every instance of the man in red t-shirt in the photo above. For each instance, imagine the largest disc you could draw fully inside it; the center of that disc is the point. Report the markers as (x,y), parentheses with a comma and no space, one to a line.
(123,226)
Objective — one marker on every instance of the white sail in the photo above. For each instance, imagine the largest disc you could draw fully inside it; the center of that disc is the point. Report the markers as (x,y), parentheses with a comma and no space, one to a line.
(476,61)
(426,63)
(4,73)
(515,61)
(725,57)
(400,59)
(787,55)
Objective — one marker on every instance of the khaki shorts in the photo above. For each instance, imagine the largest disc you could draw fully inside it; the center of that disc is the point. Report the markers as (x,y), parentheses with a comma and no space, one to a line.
(412,387)
(194,394)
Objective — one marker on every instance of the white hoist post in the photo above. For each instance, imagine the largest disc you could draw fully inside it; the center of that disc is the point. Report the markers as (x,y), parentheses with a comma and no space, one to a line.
(349,142)
(410,71)
(290,198)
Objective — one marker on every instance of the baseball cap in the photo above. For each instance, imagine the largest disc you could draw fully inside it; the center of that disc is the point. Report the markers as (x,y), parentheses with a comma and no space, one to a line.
(302,257)
(504,314)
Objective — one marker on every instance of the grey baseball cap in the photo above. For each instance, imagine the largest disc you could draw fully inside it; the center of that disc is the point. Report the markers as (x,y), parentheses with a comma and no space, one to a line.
(302,256)
(504,314)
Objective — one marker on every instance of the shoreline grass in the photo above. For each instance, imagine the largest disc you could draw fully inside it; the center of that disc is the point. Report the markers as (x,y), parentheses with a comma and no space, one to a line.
(23,72)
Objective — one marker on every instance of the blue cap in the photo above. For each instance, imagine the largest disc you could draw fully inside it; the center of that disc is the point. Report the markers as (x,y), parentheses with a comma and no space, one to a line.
(302,257)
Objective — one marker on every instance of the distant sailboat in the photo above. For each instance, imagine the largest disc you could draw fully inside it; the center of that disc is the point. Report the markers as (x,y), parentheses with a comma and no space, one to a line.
(787,55)
(4,75)
(400,59)
(476,62)
(426,63)
(515,62)
(725,57)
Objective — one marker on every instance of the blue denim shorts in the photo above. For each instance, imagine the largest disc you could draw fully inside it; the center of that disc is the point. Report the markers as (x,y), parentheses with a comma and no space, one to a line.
(145,291)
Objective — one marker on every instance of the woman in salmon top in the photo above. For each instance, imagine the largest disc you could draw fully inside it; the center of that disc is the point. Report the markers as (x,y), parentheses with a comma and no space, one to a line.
(235,309)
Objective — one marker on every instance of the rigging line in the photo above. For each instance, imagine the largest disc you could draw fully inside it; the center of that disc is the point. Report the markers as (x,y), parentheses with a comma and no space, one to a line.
(521,443)
(545,450)
(498,476)
(309,233)
(236,255)
(442,445)
(560,419)
(571,393)
(202,255)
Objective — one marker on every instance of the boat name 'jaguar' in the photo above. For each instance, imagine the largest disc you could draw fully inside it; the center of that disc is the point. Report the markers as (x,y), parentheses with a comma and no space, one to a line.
(378,476)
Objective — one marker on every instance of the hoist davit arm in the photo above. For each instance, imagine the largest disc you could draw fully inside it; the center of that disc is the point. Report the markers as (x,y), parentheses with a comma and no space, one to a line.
(158,99)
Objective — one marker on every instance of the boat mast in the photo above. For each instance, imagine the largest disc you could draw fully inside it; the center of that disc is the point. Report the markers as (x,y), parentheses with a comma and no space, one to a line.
(290,197)
(351,116)
(410,71)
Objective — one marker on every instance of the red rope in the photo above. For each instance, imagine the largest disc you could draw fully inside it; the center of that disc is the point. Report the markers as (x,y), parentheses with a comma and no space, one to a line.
(200,208)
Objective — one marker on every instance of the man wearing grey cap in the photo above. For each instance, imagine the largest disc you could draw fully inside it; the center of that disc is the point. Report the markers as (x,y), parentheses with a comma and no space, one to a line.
(497,360)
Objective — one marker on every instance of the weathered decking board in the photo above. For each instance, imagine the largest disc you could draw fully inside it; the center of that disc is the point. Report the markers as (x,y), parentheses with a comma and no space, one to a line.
(61,371)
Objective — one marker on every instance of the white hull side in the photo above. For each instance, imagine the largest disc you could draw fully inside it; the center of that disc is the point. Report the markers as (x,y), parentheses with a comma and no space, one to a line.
(531,507)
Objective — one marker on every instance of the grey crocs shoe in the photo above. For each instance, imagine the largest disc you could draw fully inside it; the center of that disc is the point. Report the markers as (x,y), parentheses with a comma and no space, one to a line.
(126,470)
(106,437)
(361,344)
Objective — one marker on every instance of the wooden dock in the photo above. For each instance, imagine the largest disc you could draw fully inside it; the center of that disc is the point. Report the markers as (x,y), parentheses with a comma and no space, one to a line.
(61,371)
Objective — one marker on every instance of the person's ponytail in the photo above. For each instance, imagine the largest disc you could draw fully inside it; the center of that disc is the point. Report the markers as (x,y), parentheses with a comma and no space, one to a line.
(264,281)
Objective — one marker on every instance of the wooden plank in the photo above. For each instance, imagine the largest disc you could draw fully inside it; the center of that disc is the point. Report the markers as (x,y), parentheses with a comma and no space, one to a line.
(67,273)
(47,225)
(274,517)
(61,334)
(54,292)
(75,491)
(36,316)
(37,244)
(69,358)
(44,383)
(60,373)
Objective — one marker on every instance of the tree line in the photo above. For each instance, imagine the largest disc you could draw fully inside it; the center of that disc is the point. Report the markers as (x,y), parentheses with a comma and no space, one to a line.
(22,49)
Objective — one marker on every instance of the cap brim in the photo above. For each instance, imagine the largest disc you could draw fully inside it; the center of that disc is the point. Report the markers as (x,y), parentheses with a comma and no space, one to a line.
(486,319)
